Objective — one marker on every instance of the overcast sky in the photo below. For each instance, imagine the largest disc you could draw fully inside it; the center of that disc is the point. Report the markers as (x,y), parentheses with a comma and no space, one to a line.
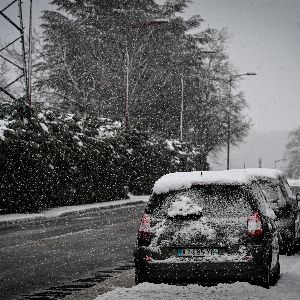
(264,38)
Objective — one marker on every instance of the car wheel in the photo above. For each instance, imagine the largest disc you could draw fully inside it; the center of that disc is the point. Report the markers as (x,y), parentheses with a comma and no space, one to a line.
(297,245)
(139,277)
(290,247)
(266,277)
(276,274)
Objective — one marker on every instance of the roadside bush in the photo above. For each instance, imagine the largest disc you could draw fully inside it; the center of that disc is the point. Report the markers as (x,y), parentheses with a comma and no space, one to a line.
(52,159)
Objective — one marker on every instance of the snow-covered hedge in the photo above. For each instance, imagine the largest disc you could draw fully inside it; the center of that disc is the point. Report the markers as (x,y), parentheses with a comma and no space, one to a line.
(51,159)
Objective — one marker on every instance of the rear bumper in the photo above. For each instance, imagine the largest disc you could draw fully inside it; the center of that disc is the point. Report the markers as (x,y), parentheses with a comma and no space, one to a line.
(200,272)
(170,270)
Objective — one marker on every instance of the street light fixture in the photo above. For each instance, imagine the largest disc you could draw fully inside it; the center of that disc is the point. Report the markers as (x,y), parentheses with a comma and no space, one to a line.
(231,78)
(278,160)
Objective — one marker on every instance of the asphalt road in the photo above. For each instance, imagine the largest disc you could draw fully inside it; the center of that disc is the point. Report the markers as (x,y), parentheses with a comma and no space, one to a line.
(41,254)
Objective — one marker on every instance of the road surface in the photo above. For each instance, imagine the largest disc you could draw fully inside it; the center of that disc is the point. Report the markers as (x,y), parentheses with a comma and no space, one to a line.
(41,254)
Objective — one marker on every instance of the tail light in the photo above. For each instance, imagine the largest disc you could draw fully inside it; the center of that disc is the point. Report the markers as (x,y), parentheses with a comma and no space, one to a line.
(255,225)
(144,230)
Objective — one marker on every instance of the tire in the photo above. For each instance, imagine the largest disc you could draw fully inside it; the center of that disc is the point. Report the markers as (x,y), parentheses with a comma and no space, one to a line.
(265,278)
(291,247)
(297,245)
(276,274)
(139,277)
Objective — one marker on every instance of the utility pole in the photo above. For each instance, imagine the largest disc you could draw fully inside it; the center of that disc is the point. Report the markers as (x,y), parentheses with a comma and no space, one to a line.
(24,71)
(127,90)
(148,23)
(181,109)
(23,48)
(30,55)
(229,111)
(229,125)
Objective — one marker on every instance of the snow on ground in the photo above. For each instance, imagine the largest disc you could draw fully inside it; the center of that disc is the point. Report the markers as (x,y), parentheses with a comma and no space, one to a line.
(59,211)
(288,288)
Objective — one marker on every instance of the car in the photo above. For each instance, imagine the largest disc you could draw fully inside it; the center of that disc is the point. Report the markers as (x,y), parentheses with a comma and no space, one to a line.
(210,226)
(295,188)
(295,185)
(284,204)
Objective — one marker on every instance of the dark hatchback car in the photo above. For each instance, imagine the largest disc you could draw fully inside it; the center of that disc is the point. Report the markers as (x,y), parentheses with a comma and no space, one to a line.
(294,185)
(284,204)
(207,227)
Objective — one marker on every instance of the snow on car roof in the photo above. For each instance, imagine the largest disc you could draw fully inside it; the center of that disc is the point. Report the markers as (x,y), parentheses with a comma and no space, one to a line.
(294,182)
(184,180)
(263,172)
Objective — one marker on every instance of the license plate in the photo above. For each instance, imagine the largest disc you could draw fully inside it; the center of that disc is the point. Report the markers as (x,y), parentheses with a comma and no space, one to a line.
(197,252)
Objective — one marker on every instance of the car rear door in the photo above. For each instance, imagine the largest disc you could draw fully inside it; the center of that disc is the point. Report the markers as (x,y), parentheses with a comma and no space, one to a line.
(271,241)
(202,221)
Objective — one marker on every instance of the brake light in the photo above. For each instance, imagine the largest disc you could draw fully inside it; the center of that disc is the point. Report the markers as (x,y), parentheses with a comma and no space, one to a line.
(144,230)
(255,225)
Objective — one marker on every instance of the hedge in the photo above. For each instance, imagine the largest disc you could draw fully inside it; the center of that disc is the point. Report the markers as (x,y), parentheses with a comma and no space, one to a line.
(49,159)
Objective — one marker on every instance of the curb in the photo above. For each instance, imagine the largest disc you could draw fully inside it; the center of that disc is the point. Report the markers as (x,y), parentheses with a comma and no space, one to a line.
(68,213)
(98,208)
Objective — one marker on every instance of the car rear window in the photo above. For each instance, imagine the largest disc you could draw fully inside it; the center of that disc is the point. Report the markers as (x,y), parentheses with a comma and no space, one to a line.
(273,192)
(295,189)
(213,201)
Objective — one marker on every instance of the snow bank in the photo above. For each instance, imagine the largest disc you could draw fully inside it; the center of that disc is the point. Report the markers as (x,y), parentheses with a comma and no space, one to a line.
(184,180)
(288,288)
(63,210)
(19,217)
(235,291)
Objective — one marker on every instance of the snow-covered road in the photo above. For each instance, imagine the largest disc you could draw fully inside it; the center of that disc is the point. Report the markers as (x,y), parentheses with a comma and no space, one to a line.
(287,288)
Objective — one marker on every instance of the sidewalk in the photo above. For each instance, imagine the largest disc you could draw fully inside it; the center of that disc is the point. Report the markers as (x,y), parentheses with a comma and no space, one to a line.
(69,210)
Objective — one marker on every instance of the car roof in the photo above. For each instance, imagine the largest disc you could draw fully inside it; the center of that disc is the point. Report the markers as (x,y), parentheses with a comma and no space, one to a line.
(294,182)
(263,173)
(185,180)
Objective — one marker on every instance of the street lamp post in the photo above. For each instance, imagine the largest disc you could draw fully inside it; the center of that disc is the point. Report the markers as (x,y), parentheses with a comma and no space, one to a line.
(181,110)
(127,90)
(231,78)
(136,25)
(182,95)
